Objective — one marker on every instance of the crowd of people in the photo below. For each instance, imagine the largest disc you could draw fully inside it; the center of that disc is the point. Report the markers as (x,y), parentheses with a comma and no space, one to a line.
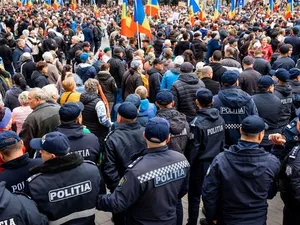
(94,120)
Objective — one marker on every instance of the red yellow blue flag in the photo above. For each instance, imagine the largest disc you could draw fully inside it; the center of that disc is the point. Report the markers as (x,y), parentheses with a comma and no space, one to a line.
(152,8)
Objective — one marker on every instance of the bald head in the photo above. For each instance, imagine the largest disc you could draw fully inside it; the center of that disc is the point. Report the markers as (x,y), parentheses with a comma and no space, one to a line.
(206,71)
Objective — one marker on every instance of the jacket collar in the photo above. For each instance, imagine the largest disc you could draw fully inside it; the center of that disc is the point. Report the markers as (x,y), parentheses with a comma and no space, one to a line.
(59,164)
(128,125)
(158,149)
(17,162)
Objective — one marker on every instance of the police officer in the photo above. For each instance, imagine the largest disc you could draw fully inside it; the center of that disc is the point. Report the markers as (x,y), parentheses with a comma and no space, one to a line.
(240,179)
(65,187)
(18,209)
(16,164)
(265,100)
(234,106)
(122,146)
(284,92)
(208,138)
(153,183)
(85,144)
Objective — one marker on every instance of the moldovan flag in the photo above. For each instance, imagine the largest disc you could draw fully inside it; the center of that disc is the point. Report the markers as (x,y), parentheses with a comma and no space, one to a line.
(152,8)
(193,8)
(141,19)
(217,12)
(128,26)
(289,9)
(231,13)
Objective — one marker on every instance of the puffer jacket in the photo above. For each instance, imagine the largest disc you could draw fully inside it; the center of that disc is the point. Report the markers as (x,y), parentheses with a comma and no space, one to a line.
(38,79)
(169,78)
(108,85)
(179,128)
(184,91)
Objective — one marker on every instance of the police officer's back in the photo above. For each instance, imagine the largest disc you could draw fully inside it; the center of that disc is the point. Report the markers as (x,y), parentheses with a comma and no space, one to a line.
(207,140)
(234,105)
(284,92)
(18,209)
(240,179)
(294,81)
(152,184)
(65,187)
(84,144)
(123,145)
(265,100)
(16,164)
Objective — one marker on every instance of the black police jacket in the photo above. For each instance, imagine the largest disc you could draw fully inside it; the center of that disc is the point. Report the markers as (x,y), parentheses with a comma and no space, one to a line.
(234,106)
(289,179)
(18,209)
(122,146)
(207,135)
(16,172)
(284,93)
(238,183)
(150,188)
(66,189)
(86,145)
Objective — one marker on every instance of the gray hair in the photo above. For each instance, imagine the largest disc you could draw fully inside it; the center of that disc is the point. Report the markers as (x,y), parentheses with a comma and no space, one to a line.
(91,85)
(23,98)
(48,57)
(39,93)
(51,92)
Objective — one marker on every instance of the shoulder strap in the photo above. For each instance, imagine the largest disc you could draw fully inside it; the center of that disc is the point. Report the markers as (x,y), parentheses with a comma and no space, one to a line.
(68,97)
(293,154)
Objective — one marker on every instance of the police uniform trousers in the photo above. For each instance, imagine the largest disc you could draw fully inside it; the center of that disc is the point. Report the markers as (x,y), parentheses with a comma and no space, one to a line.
(197,174)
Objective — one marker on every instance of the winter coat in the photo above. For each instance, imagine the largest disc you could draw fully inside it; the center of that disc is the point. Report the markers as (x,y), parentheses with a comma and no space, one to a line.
(38,79)
(147,111)
(184,91)
(11,97)
(179,128)
(27,68)
(283,62)
(218,71)
(262,66)
(212,46)
(5,52)
(108,85)
(248,80)
(85,71)
(53,74)
(200,48)
(230,62)
(182,46)
(211,85)
(117,69)
(130,82)
(169,78)
(155,78)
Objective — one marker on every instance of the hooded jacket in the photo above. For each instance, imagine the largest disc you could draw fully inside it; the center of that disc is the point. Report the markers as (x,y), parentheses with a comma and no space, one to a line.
(169,78)
(5,52)
(84,144)
(284,93)
(234,106)
(179,128)
(117,69)
(200,48)
(26,69)
(208,135)
(38,79)
(108,85)
(130,82)
(238,184)
(147,111)
(295,85)
(155,78)
(212,45)
(18,209)
(184,91)
(85,71)
(11,97)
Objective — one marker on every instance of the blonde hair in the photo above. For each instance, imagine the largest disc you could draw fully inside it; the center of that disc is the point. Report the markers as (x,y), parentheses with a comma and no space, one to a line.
(142,92)
(91,85)
(69,84)
(23,98)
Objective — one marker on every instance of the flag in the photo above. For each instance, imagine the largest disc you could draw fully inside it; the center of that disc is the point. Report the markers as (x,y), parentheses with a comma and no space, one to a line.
(202,15)
(289,9)
(73,5)
(217,12)
(29,4)
(231,13)
(19,3)
(276,6)
(152,8)
(128,27)
(193,8)
(96,10)
(61,3)
(47,4)
(56,5)
(270,8)
(141,19)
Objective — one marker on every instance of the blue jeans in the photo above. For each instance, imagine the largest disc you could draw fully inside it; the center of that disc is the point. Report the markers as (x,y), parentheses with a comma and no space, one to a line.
(118,99)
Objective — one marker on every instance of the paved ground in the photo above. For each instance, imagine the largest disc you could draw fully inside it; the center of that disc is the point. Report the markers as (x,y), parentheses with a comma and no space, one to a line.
(274,215)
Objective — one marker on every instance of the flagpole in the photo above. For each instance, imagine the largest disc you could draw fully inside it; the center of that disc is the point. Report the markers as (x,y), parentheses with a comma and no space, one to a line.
(138,35)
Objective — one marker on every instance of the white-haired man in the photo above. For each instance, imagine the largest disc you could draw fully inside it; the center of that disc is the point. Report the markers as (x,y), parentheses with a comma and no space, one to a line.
(53,73)
(43,119)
